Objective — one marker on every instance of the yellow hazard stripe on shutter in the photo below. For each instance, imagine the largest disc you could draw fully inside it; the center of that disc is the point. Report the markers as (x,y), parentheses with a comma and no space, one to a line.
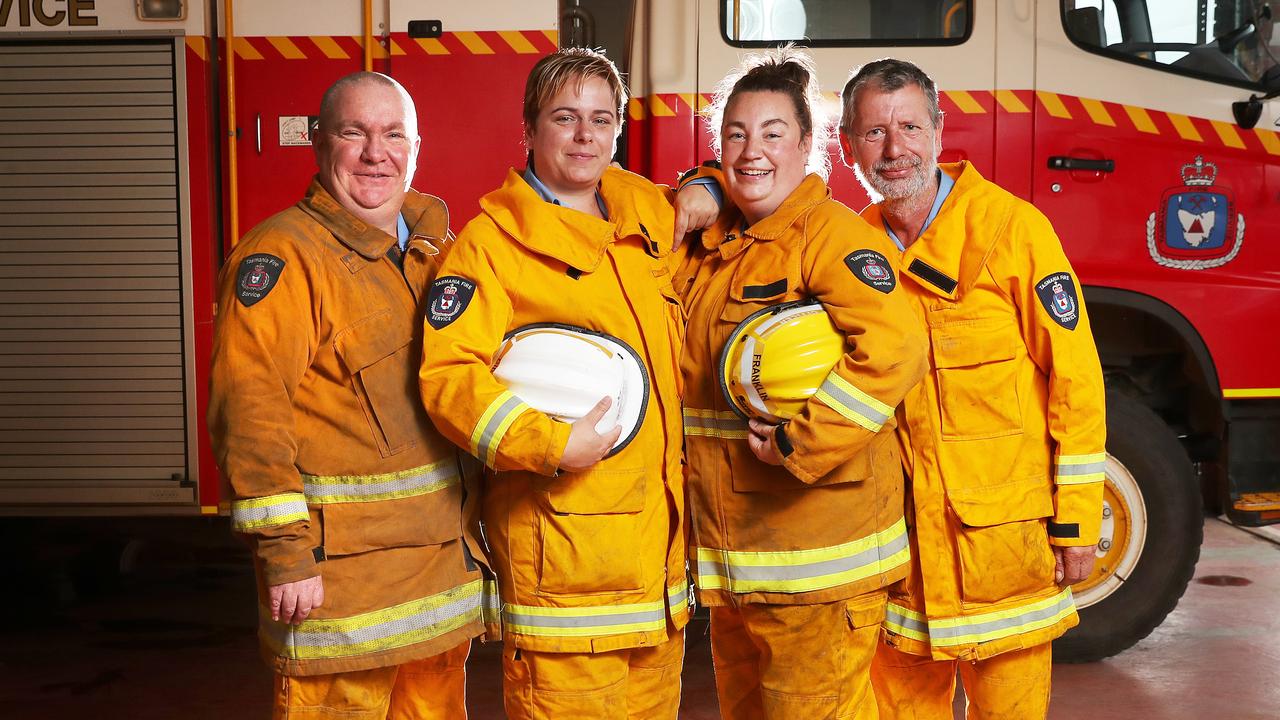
(286,48)
(794,571)
(1010,102)
(493,425)
(1001,624)
(517,41)
(245,49)
(1270,140)
(1227,134)
(715,424)
(1185,128)
(199,46)
(329,47)
(1242,393)
(1080,469)
(1141,120)
(406,624)
(585,621)
(1097,112)
(906,622)
(964,101)
(321,489)
(473,42)
(853,404)
(269,511)
(1053,105)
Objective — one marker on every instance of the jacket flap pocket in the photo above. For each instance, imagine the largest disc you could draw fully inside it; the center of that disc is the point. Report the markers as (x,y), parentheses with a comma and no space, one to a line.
(1009,502)
(760,289)
(429,519)
(974,342)
(597,492)
(370,340)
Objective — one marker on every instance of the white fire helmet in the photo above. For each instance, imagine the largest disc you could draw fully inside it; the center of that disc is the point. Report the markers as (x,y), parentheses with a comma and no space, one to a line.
(564,370)
(776,359)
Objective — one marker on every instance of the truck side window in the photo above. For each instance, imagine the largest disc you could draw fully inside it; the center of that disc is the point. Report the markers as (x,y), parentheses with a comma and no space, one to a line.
(1230,41)
(749,23)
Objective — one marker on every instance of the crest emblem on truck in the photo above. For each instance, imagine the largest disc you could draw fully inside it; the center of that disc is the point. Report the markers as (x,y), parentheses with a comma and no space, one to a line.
(1195,227)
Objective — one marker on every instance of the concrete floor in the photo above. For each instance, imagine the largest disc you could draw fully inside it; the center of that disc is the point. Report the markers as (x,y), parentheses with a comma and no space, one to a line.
(174,639)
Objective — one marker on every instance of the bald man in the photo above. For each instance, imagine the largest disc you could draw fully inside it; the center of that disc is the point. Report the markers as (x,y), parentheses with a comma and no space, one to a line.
(350,499)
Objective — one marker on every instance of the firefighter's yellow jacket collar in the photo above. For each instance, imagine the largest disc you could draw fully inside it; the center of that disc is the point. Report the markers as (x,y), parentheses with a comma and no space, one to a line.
(811,192)
(572,237)
(425,215)
(958,241)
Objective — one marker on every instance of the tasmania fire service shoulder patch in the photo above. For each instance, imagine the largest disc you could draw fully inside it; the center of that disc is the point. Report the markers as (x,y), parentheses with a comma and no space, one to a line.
(258,274)
(873,269)
(447,300)
(1057,292)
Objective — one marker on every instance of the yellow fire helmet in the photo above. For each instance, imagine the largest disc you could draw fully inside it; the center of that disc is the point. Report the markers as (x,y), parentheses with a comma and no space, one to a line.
(564,370)
(776,359)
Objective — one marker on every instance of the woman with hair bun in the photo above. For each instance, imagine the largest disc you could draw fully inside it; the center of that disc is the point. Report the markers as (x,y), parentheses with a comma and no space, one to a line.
(798,526)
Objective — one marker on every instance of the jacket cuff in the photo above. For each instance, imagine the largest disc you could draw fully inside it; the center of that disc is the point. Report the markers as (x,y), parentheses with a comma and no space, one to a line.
(1077,517)
(556,444)
(286,562)
(708,171)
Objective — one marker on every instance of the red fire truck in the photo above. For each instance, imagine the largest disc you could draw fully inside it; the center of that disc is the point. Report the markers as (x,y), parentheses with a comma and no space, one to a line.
(138,141)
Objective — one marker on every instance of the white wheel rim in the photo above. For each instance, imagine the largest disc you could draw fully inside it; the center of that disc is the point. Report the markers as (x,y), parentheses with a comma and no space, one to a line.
(1125,486)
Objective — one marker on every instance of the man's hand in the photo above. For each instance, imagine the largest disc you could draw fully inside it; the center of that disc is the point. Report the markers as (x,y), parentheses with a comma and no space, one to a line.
(696,208)
(586,446)
(761,442)
(1073,564)
(293,602)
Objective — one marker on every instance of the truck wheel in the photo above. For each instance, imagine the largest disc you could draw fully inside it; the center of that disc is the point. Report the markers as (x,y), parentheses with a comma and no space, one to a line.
(1152,525)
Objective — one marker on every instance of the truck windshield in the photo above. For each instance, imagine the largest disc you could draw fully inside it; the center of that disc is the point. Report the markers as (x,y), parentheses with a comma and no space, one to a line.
(1227,40)
(846,22)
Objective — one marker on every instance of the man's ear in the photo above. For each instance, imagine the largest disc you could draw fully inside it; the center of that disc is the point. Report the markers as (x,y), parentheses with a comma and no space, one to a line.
(846,149)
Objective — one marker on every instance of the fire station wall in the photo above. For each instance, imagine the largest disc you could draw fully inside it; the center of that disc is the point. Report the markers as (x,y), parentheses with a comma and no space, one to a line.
(93,339)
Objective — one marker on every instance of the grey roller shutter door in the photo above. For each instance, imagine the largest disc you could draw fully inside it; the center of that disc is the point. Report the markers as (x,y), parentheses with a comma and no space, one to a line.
(92,371)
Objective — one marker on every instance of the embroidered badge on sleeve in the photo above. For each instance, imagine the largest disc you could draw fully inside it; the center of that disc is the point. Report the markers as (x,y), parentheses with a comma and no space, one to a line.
(873,269)
(258,274)
(1057,292)
(447,300)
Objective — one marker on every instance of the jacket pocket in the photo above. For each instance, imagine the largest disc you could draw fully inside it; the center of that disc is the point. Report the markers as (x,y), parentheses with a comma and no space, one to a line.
(591,538)
(380,360)
(356,527)
(977,363)
(1001,541)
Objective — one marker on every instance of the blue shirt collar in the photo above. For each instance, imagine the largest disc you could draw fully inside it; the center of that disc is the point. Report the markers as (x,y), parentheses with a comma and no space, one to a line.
(545,193)
(402,231)
(945,183)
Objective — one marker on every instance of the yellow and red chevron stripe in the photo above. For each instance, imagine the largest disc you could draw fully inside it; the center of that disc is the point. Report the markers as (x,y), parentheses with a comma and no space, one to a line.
(1212,133)
(343,47)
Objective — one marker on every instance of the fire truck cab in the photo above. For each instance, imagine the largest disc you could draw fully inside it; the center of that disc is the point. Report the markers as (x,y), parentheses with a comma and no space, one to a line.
(138,141)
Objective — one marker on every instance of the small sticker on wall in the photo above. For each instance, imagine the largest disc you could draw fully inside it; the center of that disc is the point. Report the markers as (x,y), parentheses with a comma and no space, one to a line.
(295,130)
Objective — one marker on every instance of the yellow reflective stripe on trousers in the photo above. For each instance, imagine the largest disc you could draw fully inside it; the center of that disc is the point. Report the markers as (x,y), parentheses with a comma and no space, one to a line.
(595,621)
(906,622)
(493,424)
(269,511)
(856,406)
(794,571)
(1080,469)
(716,424)
(321,489)
(379,631)
(1002,623)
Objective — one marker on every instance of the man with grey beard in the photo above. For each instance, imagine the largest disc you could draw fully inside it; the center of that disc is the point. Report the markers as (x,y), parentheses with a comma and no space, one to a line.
(1004,439)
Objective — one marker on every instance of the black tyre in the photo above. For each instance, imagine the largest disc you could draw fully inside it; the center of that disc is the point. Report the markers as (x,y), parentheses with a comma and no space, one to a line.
(1153,523)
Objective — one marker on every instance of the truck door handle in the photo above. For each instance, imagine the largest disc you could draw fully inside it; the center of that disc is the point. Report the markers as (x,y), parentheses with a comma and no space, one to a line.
(1065,162)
